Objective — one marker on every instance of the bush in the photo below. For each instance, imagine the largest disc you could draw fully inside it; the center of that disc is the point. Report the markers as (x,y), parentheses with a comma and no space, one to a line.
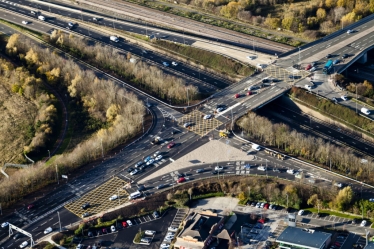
(138,237)
(208,195)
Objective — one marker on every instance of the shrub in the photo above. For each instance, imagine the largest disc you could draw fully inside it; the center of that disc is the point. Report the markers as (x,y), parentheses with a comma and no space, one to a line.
(138,236)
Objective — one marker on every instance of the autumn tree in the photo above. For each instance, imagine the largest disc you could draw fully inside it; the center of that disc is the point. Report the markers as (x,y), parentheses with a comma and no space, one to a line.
(344,198)
(230,10)
(272,23)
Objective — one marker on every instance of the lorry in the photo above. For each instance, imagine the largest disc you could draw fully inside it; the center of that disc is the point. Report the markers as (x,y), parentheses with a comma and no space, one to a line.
(114,38)
(41,18)
(156,140)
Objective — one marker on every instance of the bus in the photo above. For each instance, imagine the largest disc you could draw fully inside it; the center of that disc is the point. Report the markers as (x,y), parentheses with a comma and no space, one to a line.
(135,195)
(328,66)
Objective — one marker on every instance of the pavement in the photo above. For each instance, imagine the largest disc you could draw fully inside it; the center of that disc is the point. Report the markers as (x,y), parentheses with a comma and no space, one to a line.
(212,152)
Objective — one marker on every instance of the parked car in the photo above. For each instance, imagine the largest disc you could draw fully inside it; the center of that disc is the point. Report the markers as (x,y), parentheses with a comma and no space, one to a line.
(218,168)
(301,212)
(173,229)
(165,64)
(180,180)
(124,224)
(86,205)
(113,228)
(25,22)
(237,96)
(150,232)
(344,56)
(188,124)
(129,223)
(146,240)
(174,63)
(156,214)
(104,230)
(90,234)
(113,197)
(344,98)
(363,223)
(199,170)
(86,214)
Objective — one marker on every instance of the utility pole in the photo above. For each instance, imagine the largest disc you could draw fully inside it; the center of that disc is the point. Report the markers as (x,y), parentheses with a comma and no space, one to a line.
(266,169)
(59,221)
(356,96)
(58,181)
(253,45)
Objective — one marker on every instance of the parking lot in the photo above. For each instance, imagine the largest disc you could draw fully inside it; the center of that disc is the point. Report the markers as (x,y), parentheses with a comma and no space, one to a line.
(199,125)
(99,198)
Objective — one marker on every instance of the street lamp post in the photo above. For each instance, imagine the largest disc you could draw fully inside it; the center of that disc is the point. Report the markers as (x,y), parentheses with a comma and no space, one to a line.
(59,221)
(241,231)
(299,57)
(58,181)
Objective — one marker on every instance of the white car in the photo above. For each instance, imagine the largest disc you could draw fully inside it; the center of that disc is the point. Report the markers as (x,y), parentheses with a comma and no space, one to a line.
(25,22)
(159,157)
(149,232)
(150,161)
(164,246)
(262,168)
(349,31)
(156,153)
(24,244)
(307,87)
(170,234)
(174,63)
(165,64)
(113,197)
(218,168)
(363,223)
(220,109)
(129,223)
(172,229)
(135,171)
(251,57)
(301,212)
(48,230)
(167,238)
(312,69)
(5,224)
(371,199)
(260,66)
(113,229)
(344,98)
(207,116)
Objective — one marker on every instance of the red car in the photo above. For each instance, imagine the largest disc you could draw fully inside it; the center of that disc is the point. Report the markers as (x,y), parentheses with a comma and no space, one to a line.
(249,93)
(104,231)
(171,145)
(266,206)
(309,66)
(30,206)
(182,179)
(236,96)
(124,224)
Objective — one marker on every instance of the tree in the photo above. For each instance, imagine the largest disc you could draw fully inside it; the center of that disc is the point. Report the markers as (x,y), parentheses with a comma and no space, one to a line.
(343,199)
(330,3)
(338,13)
(272,23)
(241,196)
(321,14)
(350,18)
(371,6)
(230,10)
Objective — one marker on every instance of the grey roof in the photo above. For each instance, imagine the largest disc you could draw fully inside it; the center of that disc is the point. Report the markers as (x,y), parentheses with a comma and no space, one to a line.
(303,236)
(201,226)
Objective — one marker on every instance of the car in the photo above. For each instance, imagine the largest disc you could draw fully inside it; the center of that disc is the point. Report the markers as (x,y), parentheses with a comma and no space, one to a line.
(96,19)
(249,93)
(24,244)
(344,56)
(363,223)
(169,234)
(79,246)
(150,161)
(113,228)
(104,230)
(220,109)
(344,98)
(349,31)
(165,64)
(113,197)
(172,229)
(214,172)
(164,246)
(124,224)
(25,22)
(134,172)
(5,224)
(276,170)
(129,223)
(158,158)
(84,215)
(260,66)
(199,170)
(99,232)
(17,236)
(291,76)
(156,153)
(86,205)
(312,69)
(100,243)
(171,145)
(31,206)
(335,62)
(208,116)
(156,214)
(262,204)
(180,180)
(301,212)
(146,240)
(275,207)
(147,159)
(174,63)
(70,24)
(266,206)
(308,87)
(309,66)
(334,99)
(169,237)
(150,232)
(48,230)
(237,96)
(258,205)
(328,56)
(314,63)
(130,169)
(218,168)
(271,206)
(186,125)
(138,164)
(161,186)
(90,234)
(337,244)
(251,57)
(262,168)
(253,204)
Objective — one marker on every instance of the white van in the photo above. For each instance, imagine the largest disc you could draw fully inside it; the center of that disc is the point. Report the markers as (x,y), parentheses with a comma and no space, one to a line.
(41,18)
(365,111)
(135,195)
(114,38)
(256,147)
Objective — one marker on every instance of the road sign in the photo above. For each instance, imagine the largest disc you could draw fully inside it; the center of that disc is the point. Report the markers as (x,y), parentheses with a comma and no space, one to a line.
(64,176)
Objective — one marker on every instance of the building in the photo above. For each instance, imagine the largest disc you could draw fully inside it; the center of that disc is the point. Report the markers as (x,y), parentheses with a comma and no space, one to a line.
(303,238)
(201,230)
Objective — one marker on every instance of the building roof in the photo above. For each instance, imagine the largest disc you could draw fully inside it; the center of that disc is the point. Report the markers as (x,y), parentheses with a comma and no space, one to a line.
(301,236)
(200,227)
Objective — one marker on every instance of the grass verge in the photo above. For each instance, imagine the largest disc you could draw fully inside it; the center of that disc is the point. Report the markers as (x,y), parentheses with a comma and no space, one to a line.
(334,213)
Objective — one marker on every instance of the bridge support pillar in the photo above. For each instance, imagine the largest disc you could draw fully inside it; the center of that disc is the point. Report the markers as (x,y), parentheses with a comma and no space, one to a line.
(363,59)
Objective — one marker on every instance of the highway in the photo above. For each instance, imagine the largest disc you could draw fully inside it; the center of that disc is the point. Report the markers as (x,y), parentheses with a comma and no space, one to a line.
(205,81)
(138,22)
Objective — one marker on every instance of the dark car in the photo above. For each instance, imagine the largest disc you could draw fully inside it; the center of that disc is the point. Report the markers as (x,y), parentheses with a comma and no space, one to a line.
(130,170)
(214,172)
(99,232)
(31,206)
(90,234)
(86,205)
(328,56)
(345,56)
(104,230)
(354,221)
(181,175)
(161,186)
(156,214)
(253,204)
(100,243)
(141,188)
(17,236)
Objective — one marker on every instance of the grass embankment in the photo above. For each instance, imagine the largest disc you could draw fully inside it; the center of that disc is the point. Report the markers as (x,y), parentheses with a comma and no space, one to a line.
(209,59)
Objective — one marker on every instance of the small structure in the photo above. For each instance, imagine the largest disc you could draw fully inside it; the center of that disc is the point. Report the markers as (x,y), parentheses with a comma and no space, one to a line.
(303,238)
